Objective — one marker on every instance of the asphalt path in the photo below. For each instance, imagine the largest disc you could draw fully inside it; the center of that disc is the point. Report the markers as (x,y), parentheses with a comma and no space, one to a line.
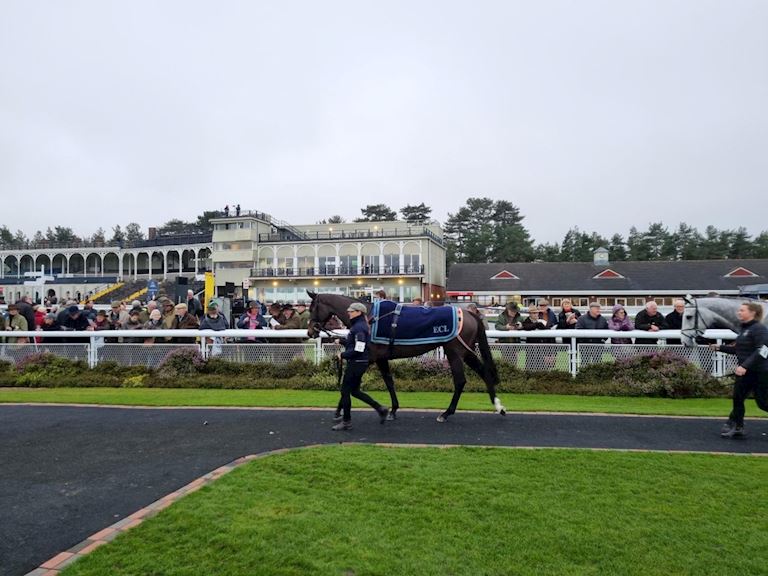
(68,472)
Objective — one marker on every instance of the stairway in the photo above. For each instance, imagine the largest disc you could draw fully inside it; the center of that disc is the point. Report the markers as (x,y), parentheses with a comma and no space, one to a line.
(101,295)
(122,291)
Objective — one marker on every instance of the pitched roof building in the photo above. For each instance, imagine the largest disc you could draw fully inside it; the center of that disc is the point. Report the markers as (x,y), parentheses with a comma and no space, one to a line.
(628,283)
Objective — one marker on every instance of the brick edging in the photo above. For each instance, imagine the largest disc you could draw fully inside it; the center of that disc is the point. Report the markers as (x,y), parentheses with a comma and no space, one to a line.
(53,566)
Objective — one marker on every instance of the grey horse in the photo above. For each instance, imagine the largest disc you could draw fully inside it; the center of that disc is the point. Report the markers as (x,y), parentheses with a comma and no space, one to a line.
(711,312)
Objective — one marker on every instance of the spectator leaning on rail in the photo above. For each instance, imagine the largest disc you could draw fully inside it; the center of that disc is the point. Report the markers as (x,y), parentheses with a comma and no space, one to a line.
(620,322)
(567,318)
(16,323)
(184,321)
(134,323)
(50,324)
(155,322)
(751,350)
(547,313)
(649,320)
(674,320)
(169,316)
(213,320)
(291,321)
(252,319)
(592,320)
(509,319)
(303,314)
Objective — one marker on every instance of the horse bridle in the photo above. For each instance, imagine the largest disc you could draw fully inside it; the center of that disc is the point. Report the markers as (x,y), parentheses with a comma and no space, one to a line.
(697,331)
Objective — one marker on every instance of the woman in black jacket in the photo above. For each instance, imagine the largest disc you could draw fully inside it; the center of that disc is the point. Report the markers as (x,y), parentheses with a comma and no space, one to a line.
(751,350)
(356,353)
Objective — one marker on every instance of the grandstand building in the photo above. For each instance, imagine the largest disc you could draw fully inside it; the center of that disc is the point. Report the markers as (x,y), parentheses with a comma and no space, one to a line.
(251,254)
(275,261)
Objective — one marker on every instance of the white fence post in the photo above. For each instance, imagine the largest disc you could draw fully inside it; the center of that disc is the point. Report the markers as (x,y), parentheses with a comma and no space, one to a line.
(203,348)
(318,351)
(573,357)
(93,353)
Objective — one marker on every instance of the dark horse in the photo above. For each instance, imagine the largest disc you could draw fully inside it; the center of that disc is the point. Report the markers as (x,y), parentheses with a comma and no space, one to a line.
(459,350)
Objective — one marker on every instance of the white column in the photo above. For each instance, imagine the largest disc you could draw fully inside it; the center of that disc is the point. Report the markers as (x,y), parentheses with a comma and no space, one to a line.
(295,259)
(85,265)
(359,257)
(165,265)
(150,264)
(2,266)
(317,259)
(101,256)
(18,267)
(401,260)
(68,256)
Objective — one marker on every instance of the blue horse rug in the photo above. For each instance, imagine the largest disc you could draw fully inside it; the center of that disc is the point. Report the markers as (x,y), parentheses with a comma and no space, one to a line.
(414,324)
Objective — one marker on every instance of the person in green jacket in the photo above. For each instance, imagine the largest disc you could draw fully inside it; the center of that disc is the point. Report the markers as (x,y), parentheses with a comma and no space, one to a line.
(509,319)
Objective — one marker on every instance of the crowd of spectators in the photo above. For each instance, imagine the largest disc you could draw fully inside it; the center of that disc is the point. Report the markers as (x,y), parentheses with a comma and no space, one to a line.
(542,317)
(159,314)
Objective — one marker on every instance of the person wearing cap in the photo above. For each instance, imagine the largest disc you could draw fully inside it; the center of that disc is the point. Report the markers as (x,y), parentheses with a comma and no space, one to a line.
(169,316)
(251,320)
(102,321)
(185,321)
(134,323)
(75,321)
(51,324)
(303,314)
(291,321)
(16,323)
(509,319)
(213,319)
(118,315)
(356,353)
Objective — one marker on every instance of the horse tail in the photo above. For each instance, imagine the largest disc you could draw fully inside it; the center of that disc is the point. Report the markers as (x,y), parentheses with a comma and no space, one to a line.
(489,366)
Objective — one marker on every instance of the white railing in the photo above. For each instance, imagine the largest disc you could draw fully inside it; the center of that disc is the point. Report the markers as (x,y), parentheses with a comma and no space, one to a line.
(562,351)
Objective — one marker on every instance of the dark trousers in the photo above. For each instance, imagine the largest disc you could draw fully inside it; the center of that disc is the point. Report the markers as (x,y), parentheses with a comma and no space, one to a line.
(353,376)
(756,382)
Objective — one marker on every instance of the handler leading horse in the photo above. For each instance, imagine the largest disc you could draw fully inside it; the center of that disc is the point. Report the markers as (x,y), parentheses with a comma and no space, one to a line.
(459,350)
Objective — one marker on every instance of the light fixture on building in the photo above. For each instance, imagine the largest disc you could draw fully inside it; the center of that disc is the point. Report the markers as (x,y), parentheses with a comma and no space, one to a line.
(274,283)
(316,282)
(399,280)
(359,282)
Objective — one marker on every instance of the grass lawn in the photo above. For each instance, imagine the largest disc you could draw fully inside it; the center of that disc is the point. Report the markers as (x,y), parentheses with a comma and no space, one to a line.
(363,510)
(717,407)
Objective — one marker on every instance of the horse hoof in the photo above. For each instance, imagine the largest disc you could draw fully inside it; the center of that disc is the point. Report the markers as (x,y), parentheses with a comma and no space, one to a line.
(503,412)
(441,418)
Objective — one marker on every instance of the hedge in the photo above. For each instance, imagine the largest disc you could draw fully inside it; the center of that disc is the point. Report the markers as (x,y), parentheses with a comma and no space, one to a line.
(658,374)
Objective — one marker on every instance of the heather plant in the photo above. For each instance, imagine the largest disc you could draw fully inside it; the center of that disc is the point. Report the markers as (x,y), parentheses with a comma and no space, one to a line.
(181,362)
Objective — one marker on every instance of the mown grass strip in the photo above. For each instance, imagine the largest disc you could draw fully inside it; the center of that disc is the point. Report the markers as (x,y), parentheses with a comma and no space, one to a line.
(718,407)
(395,511)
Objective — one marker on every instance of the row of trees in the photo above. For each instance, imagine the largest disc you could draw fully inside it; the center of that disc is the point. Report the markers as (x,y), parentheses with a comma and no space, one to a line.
(483,230)
(419,214)
(65,236)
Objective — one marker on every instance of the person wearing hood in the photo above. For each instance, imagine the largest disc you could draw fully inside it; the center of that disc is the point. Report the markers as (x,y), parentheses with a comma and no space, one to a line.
(620,322)
(155,322)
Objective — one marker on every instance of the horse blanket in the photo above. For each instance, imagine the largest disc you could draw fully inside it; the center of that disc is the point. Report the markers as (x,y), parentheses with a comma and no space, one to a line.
(414,324)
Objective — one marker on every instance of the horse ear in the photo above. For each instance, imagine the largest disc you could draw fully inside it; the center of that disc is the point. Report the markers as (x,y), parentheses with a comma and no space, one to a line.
(688,299)
(311,294)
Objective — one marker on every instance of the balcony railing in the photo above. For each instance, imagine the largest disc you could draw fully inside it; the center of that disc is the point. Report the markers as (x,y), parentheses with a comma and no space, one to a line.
(337,271)
(352,235)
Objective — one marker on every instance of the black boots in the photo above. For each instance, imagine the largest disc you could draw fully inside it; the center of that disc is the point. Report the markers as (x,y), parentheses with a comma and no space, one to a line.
(731,430)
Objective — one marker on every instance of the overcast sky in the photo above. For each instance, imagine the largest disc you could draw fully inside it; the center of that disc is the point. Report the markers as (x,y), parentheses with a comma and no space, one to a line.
(602,114)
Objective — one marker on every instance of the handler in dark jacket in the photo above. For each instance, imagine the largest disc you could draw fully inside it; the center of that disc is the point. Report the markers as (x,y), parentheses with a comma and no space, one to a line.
(751,350)
(356,353)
